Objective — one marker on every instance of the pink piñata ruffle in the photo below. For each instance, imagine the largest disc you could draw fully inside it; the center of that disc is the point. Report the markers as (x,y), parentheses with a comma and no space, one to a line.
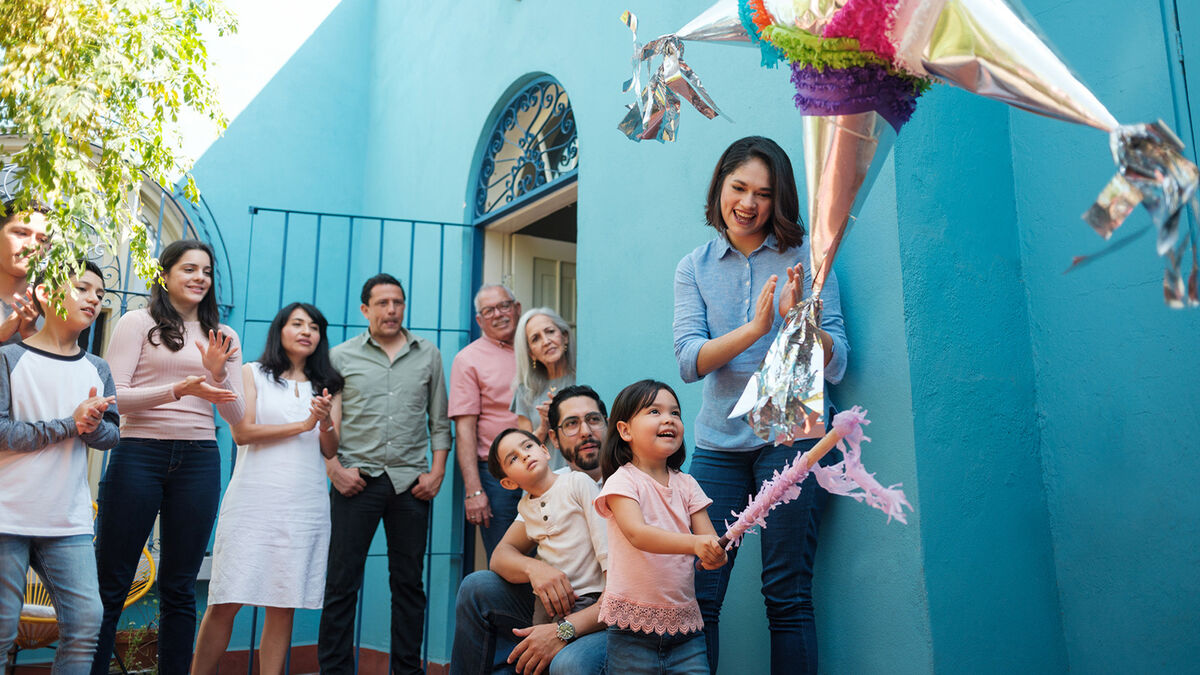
(869,22)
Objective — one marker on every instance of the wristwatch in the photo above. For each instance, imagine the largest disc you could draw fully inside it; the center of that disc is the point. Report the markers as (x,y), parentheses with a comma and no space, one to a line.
(566,630)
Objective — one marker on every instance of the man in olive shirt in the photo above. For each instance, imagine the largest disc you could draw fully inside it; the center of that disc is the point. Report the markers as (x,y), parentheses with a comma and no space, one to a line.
(393,406)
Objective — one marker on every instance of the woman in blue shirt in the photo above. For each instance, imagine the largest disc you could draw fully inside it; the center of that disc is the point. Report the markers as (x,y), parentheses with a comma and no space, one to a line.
(726,294)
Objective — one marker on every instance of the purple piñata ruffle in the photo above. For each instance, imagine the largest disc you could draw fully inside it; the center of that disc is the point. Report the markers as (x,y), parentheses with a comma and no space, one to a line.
(846,91)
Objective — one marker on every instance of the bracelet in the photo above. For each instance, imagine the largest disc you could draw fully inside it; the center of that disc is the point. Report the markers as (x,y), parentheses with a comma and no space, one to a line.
(474,495)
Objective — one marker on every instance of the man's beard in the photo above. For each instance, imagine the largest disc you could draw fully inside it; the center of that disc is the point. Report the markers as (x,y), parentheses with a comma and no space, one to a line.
(587,460)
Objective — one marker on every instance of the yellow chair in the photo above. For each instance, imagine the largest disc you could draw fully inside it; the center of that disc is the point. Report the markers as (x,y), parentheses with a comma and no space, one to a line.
(39,625)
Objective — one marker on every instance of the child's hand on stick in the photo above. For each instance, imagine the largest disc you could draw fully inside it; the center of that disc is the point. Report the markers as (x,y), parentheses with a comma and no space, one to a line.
(709,550)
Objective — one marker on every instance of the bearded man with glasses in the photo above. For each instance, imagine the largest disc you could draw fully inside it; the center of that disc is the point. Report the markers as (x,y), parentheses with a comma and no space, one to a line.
(494,608)
(578,421)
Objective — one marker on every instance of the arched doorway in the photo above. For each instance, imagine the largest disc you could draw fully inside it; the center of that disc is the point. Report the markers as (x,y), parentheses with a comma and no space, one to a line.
(524,196)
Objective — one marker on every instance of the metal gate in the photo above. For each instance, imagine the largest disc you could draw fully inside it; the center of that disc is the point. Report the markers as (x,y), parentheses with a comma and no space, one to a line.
(323,259)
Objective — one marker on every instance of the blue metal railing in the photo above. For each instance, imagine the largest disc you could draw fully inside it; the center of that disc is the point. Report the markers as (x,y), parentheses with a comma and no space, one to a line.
(460,327)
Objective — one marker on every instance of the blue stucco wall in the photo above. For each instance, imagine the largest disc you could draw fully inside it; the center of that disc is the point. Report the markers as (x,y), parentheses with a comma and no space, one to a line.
(1118,424)
(298,144)
(1041,423)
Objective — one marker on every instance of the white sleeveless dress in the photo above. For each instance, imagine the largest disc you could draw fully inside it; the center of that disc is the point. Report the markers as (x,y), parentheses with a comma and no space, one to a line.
(272,539)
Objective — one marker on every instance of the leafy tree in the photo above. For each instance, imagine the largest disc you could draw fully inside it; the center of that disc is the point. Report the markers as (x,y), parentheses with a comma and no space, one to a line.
(97,88)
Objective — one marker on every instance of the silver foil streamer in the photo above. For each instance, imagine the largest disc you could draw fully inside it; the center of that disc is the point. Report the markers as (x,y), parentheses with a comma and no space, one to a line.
(654,114)
(1152,171)
(785,399)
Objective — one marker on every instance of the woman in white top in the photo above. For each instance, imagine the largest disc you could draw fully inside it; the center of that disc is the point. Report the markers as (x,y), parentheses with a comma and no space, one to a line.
(273,533)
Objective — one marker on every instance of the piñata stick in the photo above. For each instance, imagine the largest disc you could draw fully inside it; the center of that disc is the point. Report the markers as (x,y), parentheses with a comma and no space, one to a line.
(841,479)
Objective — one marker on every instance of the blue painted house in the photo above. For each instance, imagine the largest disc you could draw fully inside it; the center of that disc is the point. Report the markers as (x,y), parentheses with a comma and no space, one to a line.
(1044,425)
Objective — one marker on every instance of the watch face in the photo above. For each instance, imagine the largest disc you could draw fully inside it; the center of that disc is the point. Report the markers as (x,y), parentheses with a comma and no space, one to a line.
(566,631)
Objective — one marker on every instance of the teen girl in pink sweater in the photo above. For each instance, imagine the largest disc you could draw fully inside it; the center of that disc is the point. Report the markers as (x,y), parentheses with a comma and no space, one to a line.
(171,363)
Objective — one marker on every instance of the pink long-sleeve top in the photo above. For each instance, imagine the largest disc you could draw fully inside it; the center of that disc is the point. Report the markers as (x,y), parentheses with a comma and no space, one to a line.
(145,374)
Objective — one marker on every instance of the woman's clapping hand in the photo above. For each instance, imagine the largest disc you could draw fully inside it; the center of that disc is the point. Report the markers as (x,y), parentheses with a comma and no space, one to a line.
(194,385)
(219,349)
(764,307)
(319,410)
(793,289)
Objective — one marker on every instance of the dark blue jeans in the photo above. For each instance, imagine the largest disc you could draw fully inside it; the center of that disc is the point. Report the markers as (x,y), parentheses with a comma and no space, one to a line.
(504,509)
(181,480)
(353,522)
(487,610)
(789,544)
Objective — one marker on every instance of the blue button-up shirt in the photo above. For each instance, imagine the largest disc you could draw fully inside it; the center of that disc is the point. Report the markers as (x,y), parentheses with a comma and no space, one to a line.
(715,292)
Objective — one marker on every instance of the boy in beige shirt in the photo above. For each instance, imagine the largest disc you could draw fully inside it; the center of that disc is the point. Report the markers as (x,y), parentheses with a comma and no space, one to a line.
(549,601)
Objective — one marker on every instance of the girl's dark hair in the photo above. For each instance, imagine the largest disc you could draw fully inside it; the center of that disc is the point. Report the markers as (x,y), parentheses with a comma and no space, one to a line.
(317,367)
(616,450)
(168,325)
(785,219)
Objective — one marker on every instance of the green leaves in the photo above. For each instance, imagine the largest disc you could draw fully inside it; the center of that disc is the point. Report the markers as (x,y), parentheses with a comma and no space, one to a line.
(95,88)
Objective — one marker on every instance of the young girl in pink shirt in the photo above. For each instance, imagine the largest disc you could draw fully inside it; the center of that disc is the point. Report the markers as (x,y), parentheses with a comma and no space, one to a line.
(657,525)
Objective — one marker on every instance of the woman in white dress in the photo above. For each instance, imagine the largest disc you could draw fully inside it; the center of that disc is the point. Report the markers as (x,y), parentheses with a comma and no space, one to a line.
(272,536)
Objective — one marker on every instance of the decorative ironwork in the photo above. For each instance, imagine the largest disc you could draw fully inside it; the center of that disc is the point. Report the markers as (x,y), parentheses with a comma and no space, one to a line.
(533,145)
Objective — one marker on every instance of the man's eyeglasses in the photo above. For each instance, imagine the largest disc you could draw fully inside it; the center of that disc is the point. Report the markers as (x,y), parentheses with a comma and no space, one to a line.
(489,312)
(571,425)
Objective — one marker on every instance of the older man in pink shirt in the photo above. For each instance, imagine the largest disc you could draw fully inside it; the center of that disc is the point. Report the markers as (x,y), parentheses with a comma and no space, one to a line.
(481,390)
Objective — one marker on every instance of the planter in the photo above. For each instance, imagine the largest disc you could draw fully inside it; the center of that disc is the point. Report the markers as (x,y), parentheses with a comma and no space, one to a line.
(138,650)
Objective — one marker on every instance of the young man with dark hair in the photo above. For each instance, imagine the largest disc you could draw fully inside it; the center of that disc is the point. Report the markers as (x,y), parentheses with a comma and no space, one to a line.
(21,233)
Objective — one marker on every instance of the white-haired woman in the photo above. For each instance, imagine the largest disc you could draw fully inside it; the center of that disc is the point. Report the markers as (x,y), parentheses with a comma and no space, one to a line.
(545,363)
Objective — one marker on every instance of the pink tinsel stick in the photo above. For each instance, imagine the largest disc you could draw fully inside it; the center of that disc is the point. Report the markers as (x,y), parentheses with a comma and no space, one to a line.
(850,478)
(842,478)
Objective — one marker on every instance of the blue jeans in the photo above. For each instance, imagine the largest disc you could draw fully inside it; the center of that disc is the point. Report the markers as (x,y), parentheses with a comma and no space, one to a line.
(638,653)
(67,565)
(789,544)
(503,503)
(181,480)
(353,522)
(487,610)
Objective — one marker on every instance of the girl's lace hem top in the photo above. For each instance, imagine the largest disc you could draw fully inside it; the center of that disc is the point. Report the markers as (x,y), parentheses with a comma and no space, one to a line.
(632,615)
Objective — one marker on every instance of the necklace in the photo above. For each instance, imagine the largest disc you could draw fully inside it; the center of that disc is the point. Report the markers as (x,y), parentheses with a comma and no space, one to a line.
(297,385)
